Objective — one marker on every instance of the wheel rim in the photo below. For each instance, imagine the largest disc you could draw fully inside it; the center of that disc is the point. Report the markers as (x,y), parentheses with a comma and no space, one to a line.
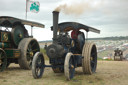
(69,68)
(93,59)
(3,60)
(39,66)
(89,62)
(32,48)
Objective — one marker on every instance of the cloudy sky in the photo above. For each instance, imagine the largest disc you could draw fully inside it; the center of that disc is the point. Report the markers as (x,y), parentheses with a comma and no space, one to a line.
(109,16)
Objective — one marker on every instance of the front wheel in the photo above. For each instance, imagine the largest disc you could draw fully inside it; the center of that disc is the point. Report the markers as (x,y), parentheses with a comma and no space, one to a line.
(38,65)
(69,68)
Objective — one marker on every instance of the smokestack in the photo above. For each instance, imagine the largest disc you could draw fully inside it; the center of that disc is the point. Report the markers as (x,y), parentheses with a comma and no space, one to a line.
(55,25)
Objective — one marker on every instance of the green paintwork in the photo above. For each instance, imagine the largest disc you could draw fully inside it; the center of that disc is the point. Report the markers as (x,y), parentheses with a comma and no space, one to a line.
(4,45)
(18,34)
(9,40)
(12,53)
(5,36)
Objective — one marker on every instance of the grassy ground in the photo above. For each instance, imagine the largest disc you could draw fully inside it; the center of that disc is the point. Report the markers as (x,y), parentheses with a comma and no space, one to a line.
(108,73)
(44,53)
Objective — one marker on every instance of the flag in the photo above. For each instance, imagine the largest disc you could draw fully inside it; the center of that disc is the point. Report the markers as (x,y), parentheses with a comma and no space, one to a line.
(33,6)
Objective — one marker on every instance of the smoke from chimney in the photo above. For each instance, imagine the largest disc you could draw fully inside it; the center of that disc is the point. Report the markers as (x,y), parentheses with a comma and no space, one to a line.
(78,7)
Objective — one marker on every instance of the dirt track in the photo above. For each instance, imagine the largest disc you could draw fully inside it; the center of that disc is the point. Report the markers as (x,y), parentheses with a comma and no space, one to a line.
(108,73)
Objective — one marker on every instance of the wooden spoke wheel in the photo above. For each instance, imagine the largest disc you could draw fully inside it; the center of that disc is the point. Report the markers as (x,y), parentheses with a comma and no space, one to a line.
(38,65)
(89,62)
(28,46)
(3,60)
(69,68)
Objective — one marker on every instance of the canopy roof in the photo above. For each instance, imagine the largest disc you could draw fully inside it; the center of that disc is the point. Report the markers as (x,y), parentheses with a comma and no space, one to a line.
(67,26)
(7,21)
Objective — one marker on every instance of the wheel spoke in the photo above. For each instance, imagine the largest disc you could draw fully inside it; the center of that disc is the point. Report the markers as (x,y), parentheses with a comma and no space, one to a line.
(1,61)
(93,54)
(0,55)
(28,53)
(71,72)
(28,58)
(71,68)
(33,44)
(37,69)
(38,63)
(29,47)
(92,62)
(35,50)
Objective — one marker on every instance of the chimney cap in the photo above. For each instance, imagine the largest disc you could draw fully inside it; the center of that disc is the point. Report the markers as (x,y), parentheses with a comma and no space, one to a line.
(55,12)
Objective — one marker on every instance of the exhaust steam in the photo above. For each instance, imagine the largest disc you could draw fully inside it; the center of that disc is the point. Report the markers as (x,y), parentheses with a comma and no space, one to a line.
(78,7)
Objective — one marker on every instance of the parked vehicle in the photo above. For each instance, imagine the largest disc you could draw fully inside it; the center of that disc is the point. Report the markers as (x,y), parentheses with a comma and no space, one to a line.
(16,45)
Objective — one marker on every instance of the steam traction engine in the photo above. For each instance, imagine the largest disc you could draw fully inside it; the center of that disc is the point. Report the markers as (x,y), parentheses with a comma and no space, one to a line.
(16,46)
(65,53)
(118,55)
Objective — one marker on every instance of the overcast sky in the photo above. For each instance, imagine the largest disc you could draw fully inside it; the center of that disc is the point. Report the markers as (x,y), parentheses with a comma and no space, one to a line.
(109,16)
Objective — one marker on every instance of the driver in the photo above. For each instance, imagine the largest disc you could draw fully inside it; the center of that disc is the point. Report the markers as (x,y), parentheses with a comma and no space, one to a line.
(78,36)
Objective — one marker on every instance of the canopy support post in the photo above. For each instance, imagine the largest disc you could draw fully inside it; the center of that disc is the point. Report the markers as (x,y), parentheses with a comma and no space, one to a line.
(32,31)
(86,36)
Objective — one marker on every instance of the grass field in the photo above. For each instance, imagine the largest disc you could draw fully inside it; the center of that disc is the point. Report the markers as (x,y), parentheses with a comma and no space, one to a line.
(108,73)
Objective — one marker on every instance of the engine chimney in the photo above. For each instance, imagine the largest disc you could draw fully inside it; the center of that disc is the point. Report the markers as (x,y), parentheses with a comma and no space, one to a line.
(55,25)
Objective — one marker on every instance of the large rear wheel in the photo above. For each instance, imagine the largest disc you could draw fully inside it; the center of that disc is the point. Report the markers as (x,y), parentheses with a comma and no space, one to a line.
(28,46)
(89,62)
(38,65)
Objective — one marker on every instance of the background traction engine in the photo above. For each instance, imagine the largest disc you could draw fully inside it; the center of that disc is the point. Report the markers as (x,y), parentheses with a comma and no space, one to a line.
(118,55)
(16,46)
(65,53)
